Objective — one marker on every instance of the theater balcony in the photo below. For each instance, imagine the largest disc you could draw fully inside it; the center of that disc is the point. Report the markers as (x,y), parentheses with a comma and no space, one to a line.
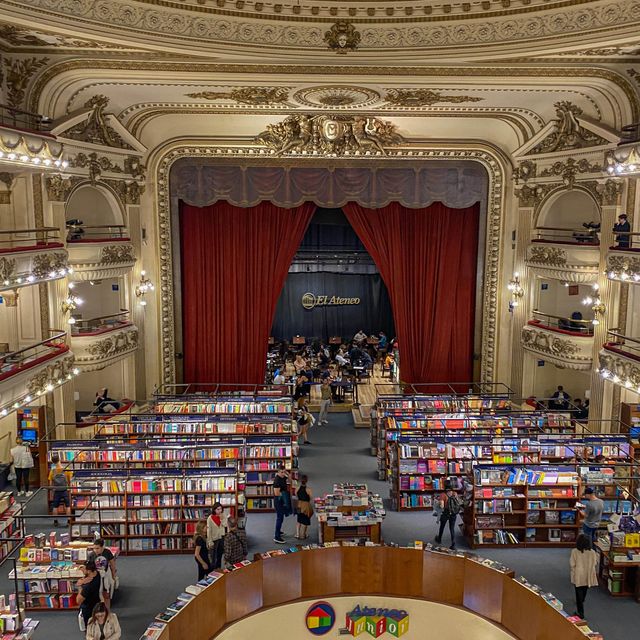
(29,372)
(99,342)
(30,256)
(570,255)
(619,360)
(623,262)
(26,143)
(97,253)
(564,342)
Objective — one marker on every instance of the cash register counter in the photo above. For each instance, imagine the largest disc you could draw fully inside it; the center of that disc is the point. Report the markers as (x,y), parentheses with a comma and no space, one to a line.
(360,571)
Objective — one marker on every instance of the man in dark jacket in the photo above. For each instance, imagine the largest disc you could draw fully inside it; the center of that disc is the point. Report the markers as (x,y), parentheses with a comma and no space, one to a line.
(622,228)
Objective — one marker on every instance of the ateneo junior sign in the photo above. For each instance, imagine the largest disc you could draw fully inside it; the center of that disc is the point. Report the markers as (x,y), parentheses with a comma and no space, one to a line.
(311,300)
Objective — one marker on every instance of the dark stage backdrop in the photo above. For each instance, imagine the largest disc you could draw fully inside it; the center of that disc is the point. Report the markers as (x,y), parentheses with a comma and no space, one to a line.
(373,313)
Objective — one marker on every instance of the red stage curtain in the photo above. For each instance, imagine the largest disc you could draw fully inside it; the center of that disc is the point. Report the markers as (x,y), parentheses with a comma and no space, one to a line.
(234,263)
(427,258)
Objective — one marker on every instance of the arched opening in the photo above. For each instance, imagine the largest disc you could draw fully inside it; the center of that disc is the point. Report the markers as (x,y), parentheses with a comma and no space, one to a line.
(569,210)
(94,207)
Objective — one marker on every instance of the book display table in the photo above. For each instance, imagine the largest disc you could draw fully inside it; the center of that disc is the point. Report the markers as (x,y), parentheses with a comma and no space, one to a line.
(351,512)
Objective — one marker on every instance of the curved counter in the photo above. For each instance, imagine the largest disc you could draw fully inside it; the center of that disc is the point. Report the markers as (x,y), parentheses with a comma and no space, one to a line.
(380,571)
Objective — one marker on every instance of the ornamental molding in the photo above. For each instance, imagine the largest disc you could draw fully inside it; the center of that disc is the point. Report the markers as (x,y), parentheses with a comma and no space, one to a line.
(110,347)
(424,98)
(619,365)
(58,370)
(268,96)
(563,352)
(117,254)
(342,37)
(7,268)
(531,196)
(337,96)
(283,25)
(17,73)
(329,135)
(607,193)
(490,160)
(619,263)
(569,169)
(45,263)
(552,256)
(59,188)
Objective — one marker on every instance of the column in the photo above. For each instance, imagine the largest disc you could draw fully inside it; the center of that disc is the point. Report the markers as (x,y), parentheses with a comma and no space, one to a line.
(520,314)
(11,320)
(601,400)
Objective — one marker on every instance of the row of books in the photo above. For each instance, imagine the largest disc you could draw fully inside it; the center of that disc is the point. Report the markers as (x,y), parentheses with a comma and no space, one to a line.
(526,476)
(224,407)
(196,428)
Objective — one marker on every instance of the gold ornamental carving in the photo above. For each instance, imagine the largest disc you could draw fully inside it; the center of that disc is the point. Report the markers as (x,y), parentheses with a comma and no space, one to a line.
(550,256)
(128,192)
(424,98)
(551,345)
(342,37)
(330,135)
(526,170)
(17,73)
(59,188)
(95,129)
(532,195)
(44,264)
(620,264)
(569,169)
(7,269)
(568,133)
(134,167)
(114,345)
(247,95)
(95,164)
(117,254)
(51,374)
(620,366)
(608,193)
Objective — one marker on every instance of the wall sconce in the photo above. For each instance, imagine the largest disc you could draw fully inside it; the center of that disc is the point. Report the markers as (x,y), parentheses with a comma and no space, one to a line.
(596,304)
(71,303)
(517,291)
(144,286)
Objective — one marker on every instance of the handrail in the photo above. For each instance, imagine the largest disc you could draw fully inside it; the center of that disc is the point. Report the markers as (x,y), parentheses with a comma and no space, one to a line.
(95,322)
(11,116)
(39,234)
(83,233)
(621,343)
(59,336)
(585,235)
(566,324)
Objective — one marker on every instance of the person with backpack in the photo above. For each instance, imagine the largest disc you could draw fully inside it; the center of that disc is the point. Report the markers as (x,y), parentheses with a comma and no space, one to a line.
(451,505)
(59,481)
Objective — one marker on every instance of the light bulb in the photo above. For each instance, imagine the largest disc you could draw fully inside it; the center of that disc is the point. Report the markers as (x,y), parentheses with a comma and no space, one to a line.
(24,158)
(28,399)
(75,371)
(49,387)
(65,164)
(616,379)
(47,161)
(31,278)
(72,285)
(595,322)
(71,320)
(4,412)
(16,405)
(143,303)
(52,274)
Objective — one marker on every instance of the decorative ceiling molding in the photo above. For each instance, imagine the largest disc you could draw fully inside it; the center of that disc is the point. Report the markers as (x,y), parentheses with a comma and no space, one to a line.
(289,25)
(17,74)
(247,95)
(337,97)
(342,37)
(424,98)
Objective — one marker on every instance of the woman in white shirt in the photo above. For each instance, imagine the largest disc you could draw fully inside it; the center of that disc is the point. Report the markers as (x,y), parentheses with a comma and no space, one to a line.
(216,531)
(583,563)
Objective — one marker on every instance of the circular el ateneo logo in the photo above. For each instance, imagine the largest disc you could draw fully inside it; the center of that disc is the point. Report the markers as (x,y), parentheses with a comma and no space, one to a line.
(320,618)
(308,300)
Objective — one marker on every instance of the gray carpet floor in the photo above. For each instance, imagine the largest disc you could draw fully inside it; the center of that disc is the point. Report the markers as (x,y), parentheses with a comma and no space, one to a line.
(338,453)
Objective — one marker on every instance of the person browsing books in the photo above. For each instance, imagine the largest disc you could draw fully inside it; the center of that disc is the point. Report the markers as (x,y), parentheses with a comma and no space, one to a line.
(235,544)
(305,509)
(89,590)
(450,505)
(281,501)
(592,512)
(59,481)
(103,624)
(583,562)
(216,530)
(106,565)
(200,549)
(22,462)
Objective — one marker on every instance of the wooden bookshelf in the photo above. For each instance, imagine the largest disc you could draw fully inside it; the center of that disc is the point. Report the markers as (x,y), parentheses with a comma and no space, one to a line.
(11,523)
(32,427)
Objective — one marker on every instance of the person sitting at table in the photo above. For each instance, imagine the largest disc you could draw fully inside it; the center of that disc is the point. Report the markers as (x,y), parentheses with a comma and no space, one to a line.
(360,338)
(299,364)
(382,341)
(341,357)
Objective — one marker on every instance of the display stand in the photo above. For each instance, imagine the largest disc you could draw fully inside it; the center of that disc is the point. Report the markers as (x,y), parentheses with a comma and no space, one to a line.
(32,427)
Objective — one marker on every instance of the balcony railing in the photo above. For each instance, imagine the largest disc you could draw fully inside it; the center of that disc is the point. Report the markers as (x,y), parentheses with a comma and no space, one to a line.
(626,241)
(562,235)
(103,233)
(16,362)
(25,120)
(16,240)
(624,345)
(570,326)
(101,324)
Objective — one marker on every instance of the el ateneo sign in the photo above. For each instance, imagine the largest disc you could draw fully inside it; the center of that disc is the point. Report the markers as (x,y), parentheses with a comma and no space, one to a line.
(311,300)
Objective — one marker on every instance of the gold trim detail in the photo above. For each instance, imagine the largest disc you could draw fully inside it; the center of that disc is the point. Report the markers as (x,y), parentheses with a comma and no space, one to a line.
(620,366)
(17,73)
(551,256)
(116,254)
(45,263)
(568,170)
(342,37)
(7,268)
(114,345)
(424,98)
(51,374)
(247,95)
(489,159)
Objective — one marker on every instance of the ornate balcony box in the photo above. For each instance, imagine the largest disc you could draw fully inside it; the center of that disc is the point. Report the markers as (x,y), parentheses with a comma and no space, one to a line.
(97,350)
(100,259)
(30,256)
(566,349)
(26,374)
(620,365)
(623,265)
(569,262)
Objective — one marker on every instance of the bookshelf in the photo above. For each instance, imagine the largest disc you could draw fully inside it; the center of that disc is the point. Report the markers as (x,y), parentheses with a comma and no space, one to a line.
(47,571)
(31,427)
(143,511)
(524,505)
(11,523)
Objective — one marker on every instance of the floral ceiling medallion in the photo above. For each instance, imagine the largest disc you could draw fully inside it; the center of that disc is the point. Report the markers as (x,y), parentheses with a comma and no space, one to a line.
(336,96)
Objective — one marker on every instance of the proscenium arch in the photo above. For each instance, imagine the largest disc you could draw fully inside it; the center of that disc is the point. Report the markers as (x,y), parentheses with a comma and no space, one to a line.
(494,162)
